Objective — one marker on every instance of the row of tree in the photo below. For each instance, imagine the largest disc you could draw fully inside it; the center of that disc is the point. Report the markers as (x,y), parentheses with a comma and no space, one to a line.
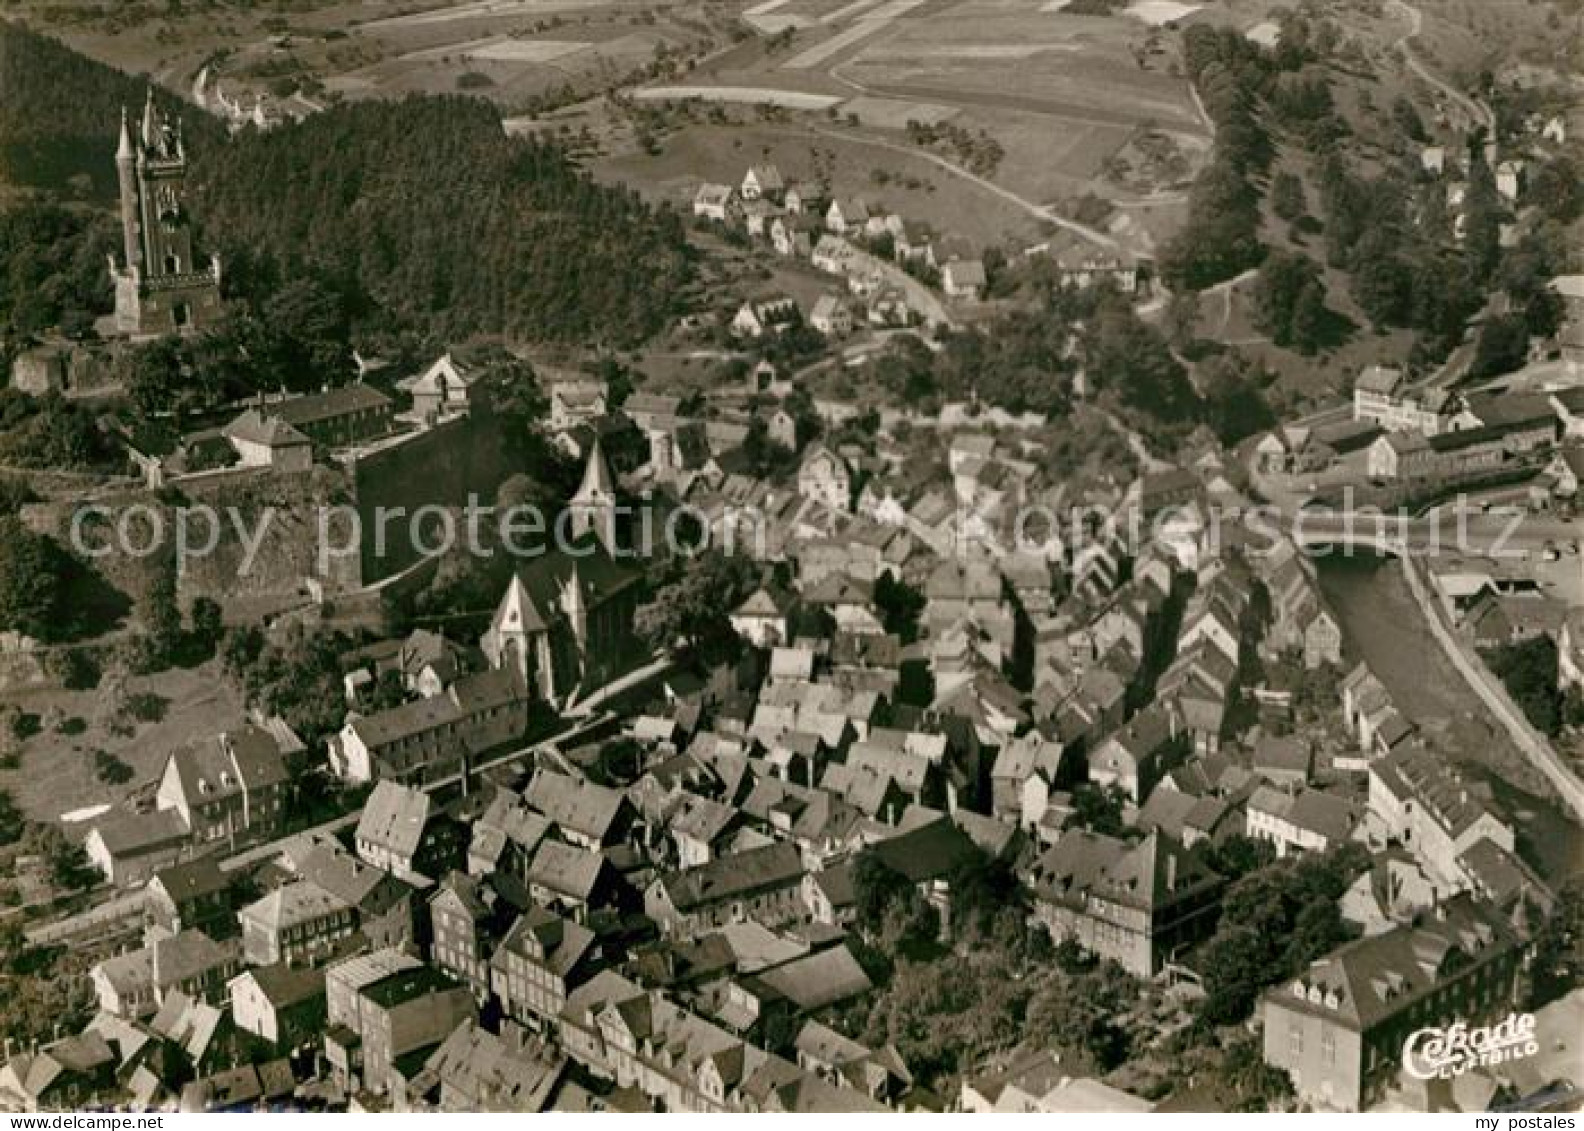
(1029,360)
(1220,239)
(1528,670)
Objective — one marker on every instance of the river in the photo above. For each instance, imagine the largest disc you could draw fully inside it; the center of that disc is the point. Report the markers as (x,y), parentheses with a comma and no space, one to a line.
(1382,625)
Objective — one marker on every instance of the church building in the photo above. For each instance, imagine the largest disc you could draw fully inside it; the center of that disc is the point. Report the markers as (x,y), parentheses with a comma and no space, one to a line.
(565,621)
(162,286)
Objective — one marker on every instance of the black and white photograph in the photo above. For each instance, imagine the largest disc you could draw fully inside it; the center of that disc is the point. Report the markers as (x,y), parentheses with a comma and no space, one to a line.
(938,557)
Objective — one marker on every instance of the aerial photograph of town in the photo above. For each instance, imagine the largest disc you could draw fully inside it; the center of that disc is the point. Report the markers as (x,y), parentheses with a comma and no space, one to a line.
(791,556)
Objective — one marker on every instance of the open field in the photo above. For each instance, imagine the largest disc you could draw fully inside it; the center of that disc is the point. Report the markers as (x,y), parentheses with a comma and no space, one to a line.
(1058,94)
(1458,37)
(869,22)
(503,49)
(585,47)
(57,772)
(741,95)
(513,50)
(481,9)
(1042,163)
(777,15)
(893,114)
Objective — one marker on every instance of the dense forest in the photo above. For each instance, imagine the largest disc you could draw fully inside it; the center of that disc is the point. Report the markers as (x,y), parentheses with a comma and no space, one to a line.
(446,224)
(52,267)
(59,112)
(422,217)
(1221,238)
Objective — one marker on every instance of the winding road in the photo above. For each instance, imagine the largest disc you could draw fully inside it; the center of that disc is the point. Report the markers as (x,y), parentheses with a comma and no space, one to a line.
(1478,111)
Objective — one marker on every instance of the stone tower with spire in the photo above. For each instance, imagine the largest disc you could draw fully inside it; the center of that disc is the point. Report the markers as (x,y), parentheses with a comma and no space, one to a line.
(593,508)
(161,285)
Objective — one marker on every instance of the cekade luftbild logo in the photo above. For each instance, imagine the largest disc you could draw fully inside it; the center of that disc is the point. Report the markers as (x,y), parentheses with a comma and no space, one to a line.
(1436,1053)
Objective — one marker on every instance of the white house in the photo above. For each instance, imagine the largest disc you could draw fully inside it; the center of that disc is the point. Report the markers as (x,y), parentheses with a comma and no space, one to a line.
(1509,179)
(803,197)
(576,401)
(714,202)
(762,619)
(1308,821)
(825,477)
(762,181)
(445,389)
(963,278)
(844,216)
(759,317)
(758,215)
(831,317)
(832,254)
(793,235)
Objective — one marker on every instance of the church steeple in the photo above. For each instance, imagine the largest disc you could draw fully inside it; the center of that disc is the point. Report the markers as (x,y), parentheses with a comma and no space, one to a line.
(151,125)
(574,603)
(124,145)
(596,476)
(594,506)
(126,179)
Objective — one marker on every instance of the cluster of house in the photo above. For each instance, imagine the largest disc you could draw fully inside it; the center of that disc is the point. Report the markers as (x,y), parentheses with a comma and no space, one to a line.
(1494,604)
(1509,160)
(801,219)
(1507,173)
(1487,435)
(1418,433)
(1447,911)
(292,433)
(250,108)
(542,942)
(218,791)
(499,933)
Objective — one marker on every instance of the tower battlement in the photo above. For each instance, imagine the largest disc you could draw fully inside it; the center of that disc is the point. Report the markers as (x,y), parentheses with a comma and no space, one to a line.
(162,285)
